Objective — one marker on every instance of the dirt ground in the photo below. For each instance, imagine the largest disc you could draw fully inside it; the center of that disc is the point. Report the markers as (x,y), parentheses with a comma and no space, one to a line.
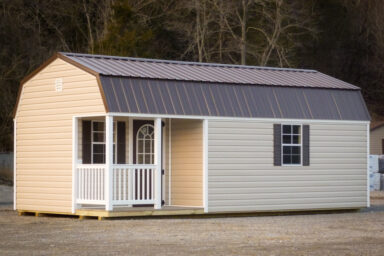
(353,233)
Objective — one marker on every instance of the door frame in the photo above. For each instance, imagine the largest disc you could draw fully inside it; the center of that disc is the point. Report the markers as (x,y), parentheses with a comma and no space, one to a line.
(132,145)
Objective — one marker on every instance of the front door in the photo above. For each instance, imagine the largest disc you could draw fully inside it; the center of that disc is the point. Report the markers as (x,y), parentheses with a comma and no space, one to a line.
(144,154)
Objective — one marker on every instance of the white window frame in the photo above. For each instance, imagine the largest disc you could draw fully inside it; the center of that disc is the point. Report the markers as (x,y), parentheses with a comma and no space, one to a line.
(104,143)
(284,144)
(152,157)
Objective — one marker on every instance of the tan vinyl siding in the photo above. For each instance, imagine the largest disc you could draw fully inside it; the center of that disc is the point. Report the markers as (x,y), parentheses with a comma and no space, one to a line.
(242,176)
(376,138)
(187,162)
(44,135)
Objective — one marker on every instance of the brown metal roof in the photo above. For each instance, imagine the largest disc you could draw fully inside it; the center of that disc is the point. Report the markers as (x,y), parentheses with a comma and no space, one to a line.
(206,72)
(132,85)
(154,96)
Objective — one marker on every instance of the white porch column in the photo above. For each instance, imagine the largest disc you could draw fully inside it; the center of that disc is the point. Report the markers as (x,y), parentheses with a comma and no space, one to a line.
(130,159)
(75,143)
(108,162)
(158,163)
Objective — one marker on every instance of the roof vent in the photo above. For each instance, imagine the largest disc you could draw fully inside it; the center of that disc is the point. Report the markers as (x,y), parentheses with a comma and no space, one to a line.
(59,84)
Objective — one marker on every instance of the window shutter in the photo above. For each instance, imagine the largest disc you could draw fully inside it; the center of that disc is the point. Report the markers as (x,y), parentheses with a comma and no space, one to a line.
(382,146)
(87,142)
(277,144)
(305,145)
(121,143)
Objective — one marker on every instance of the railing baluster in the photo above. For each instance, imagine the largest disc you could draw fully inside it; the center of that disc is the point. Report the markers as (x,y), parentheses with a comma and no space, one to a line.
(89,183)
(147,182)
(92,184)
(133,170)
(142,184)
(102,184)
(120,184)
(138,184)
(113,185)
(86,184)
(83,183)
(97,184)
(153,183)
(78,176)
(125,184)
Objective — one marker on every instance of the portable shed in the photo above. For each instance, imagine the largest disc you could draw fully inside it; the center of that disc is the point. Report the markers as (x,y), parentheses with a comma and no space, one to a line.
(102,135)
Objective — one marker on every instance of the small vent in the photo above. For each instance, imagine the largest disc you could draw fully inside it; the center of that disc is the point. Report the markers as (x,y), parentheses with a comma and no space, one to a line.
(59,84)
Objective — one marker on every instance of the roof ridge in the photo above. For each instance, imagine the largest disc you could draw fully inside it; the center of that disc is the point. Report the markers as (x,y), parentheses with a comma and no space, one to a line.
(191,63)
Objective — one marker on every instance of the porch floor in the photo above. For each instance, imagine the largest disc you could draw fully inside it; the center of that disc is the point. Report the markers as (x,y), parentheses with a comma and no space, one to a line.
(138,211)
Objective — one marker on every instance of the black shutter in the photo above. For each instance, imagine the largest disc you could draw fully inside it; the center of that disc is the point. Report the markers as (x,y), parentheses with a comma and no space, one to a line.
(121,143)
(87,142)
(382,146)
(306,145)
(277,144)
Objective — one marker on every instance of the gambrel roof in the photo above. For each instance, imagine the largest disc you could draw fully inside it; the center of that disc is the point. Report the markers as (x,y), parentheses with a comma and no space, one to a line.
(206,72)
(147,86)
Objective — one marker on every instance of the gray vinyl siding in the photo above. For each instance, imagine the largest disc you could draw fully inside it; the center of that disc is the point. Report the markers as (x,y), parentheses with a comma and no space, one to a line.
(242,175)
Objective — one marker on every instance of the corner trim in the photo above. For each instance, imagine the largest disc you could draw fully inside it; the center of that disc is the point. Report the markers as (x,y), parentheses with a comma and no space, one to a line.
(205,165)
(368,185)
(14,165)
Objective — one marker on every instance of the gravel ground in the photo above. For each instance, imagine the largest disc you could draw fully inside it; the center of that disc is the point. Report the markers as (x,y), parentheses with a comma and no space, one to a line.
(353,233)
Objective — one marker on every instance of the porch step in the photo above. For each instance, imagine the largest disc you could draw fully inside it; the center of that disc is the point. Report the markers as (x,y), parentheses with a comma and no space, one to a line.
(137,212)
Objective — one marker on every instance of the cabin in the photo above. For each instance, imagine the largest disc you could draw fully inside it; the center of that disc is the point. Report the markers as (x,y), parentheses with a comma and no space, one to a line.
(111,136)
(377,138)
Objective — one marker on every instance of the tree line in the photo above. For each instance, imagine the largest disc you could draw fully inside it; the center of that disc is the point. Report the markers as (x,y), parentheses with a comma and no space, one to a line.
(342,38)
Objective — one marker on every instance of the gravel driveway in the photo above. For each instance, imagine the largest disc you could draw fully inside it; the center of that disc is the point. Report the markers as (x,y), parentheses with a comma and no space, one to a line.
(354,233)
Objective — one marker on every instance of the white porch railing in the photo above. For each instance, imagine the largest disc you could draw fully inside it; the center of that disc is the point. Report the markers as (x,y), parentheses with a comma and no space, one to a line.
(91,184)
(131,184)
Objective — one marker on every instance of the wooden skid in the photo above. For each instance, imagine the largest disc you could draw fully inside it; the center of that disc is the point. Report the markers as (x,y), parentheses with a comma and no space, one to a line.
(102,214)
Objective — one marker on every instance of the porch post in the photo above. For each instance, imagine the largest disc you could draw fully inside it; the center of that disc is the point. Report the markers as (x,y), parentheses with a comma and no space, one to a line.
(75,143)
(108,162)
(158,163)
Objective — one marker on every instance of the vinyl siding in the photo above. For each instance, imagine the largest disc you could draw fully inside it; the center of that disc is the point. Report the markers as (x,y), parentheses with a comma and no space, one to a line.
(242,177)
(187,162)
(44,135)
(376,138)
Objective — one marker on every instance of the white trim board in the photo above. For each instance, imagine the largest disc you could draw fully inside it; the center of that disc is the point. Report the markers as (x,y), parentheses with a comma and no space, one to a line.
(169,161)
(14,164)
(368,149)
(205,165)
(75,143)
(152,116)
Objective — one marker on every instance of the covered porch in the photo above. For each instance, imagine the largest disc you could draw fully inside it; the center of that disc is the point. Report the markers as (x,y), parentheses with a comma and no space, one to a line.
(137,166)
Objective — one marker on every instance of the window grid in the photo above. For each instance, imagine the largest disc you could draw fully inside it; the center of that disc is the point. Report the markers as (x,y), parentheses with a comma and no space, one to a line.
(99,157)
(291,146)
(145,145)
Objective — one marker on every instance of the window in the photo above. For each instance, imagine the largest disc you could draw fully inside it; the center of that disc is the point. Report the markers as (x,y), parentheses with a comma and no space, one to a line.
(145,145)
(98,142)
(291,144)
